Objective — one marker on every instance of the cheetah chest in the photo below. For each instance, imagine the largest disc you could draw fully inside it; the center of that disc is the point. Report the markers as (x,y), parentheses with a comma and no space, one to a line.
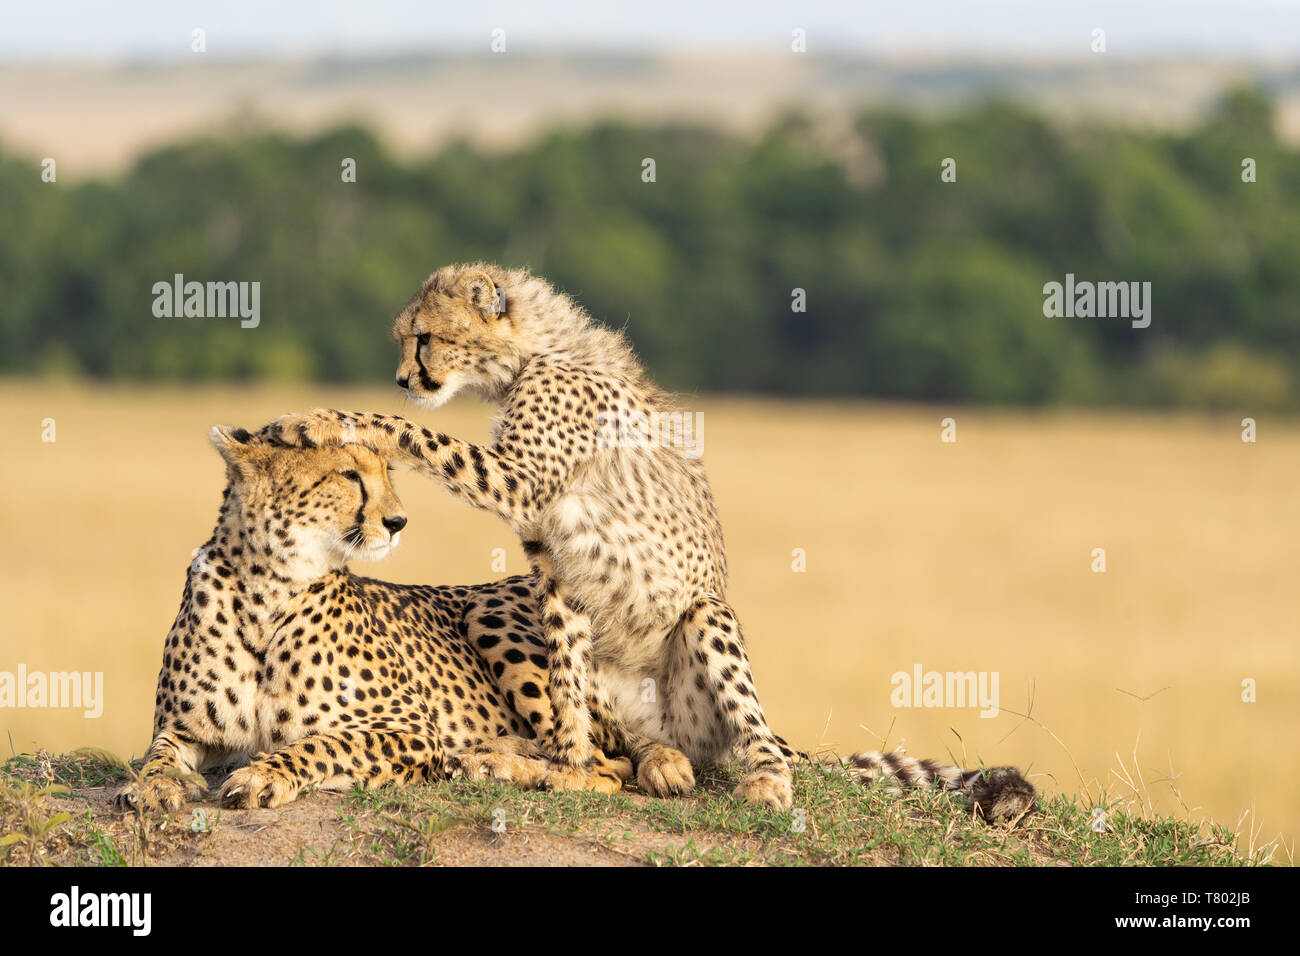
(613,560)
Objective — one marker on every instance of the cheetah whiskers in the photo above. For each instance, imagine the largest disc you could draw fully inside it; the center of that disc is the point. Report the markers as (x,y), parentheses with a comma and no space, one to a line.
(352,541)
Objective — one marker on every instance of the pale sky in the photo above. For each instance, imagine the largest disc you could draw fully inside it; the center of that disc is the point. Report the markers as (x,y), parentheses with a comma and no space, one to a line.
(110,30)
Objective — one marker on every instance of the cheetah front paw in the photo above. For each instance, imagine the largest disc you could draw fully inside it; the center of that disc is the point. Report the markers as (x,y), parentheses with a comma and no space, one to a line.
(317,428)
(766,789)
(255,786)
(665,772)
(157,793)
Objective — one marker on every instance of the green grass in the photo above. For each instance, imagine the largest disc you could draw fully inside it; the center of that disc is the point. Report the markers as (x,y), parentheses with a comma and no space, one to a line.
(73,770)
(102,847)
(309,856)
(46,816)
(834,821)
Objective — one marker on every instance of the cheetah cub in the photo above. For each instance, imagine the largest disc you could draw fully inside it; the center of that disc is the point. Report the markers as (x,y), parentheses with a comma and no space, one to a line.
(644,652)
(334,680)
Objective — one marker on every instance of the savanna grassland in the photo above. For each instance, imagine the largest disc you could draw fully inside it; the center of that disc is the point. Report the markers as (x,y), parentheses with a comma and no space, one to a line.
(968,556)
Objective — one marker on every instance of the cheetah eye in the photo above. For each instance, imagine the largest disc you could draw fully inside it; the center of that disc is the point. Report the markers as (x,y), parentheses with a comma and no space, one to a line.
(351,476)
(423,339)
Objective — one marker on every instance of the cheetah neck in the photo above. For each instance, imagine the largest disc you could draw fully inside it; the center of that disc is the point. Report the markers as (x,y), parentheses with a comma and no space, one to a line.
(552,328)
(233,579)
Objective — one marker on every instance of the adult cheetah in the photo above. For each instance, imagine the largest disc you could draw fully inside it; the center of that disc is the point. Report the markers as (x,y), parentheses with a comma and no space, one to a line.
(332,679)
(645,655)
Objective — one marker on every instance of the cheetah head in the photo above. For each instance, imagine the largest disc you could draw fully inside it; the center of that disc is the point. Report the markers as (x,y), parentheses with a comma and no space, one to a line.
(308,510)
(457,333)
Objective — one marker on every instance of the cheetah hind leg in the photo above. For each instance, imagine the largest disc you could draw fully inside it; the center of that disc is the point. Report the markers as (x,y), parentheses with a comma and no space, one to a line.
(716,651)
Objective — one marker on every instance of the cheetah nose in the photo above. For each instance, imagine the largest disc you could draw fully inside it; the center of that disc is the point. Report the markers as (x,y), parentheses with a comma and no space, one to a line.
(403,381)
(395,524)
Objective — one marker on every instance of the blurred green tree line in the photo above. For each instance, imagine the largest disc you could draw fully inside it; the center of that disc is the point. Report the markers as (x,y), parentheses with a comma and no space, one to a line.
(915,288)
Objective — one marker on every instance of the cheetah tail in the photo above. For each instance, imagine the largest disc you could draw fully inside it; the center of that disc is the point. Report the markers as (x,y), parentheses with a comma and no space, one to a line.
(998,794)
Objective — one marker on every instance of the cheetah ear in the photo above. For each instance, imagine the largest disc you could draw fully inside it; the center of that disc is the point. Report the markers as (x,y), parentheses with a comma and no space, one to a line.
(479,289)
(232,444)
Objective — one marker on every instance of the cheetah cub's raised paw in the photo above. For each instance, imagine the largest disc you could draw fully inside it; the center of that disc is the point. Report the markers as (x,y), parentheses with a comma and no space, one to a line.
(319,428)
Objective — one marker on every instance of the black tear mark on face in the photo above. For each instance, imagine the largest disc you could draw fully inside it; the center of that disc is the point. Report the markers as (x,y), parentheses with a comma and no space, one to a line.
(361,510)
(426,380)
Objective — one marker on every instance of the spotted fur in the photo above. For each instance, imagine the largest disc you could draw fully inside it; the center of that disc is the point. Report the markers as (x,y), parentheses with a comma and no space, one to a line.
(330,679)
(996,794)
(645,655)
(643,650)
